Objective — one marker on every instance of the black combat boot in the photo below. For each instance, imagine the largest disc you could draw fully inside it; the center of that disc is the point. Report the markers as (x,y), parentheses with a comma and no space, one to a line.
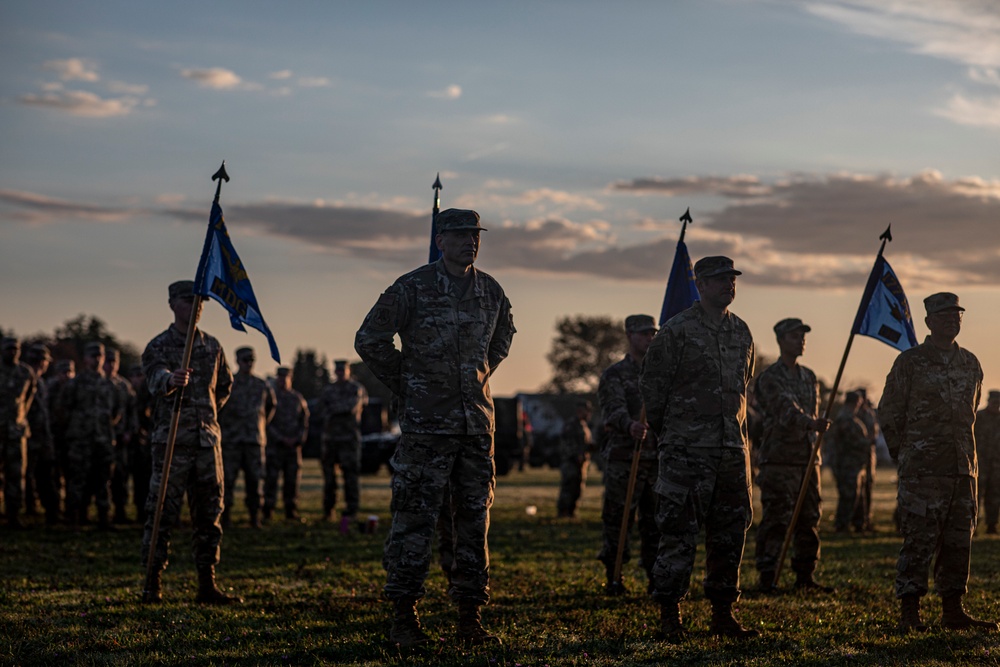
(953,616)
(208,592)
(766,582)
(470,626)
(670,623)
(121,517)
(724,624)
(254,519)
(406,631)
(909,614)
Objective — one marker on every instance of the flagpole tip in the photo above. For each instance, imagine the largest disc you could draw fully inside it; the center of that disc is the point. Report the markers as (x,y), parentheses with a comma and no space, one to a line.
(887,234)
(221,174)
(687,216)
(437,183)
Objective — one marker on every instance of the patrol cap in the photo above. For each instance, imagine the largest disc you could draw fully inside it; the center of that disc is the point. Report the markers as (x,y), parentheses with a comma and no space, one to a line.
(39,352)
(64,365)
(111,353)
(639,323)
(790,324)
(181,289)
(852,397)
(283,370)
(994,394)
(93,349)
(940,302)
(584,403)
(714,265)
(9,342)
(244,353)
(340,363)
(453,219)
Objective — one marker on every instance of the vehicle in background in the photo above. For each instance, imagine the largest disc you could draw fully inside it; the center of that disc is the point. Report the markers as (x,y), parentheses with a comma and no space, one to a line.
(379,436)
(547,414)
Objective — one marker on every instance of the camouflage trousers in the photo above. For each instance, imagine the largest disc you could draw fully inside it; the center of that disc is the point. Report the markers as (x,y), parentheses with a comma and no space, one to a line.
(90,466)
(196,471)
(937,517)
(701,488)
(248,457)
(779,491)
(121,474)
(425,466)
(849,471)
(572,480)
(989,496)
(347,455)
(284,463)
(38,483)
(13,459)
(643,506)
(142,470)
(863,510)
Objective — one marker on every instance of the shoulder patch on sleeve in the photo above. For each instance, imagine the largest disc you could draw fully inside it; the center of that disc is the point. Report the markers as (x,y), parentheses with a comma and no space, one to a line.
(386,299)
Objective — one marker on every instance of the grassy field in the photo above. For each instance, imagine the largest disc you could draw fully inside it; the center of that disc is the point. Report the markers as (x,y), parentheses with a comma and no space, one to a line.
(312,597)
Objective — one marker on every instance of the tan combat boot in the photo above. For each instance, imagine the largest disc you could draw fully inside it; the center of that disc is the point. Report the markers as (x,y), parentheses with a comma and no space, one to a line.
(724,624)
(406,630)
(208,592)
(909,614)
(953,616)
(470,627)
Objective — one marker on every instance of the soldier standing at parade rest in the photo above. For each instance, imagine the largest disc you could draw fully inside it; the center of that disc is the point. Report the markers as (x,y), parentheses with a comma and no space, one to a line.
(196,465)
(142,462)
(987,431)
(621,410)
(244,421)
(38,478)
(788,395)
(342,403)
(89,407)
(576,443)
(286,432)
(65,370)
(694,385)
(863,512)
(124,435)
(927,412)
(455,326)
(851,447)
(17,389)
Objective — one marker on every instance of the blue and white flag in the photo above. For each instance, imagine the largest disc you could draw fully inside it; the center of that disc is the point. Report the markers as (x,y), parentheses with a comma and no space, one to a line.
(222,276)
(681,291)
(884,313)
(434,254)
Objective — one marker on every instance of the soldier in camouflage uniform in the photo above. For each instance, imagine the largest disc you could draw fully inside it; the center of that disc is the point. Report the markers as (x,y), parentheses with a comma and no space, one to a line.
(89,409)
(244,421)
(196,464)
(288,429)
(987,432)
(455,325)
(927,412)
(38,478)
(342,402)
(788,395)
(575,445)
(863,514)
(851,447)
(124,436)
(142,462)
(17,389)
(65,370)
(694,385)
(624,427)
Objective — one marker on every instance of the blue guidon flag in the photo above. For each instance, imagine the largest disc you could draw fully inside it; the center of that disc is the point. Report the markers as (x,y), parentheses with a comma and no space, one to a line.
(681,291)
(222,276)
(884,313)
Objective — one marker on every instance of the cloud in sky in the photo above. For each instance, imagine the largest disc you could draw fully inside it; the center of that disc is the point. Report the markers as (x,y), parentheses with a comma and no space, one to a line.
(974,111)
(739,186)
(281,75)
(452,92)
(81,103)
(816,232)
(314,81)
(73,69)
(217,78)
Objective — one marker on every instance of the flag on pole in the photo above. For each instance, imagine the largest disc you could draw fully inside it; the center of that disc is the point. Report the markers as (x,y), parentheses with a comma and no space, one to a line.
(222,276)
(681,290)
(434,254)
(884,313)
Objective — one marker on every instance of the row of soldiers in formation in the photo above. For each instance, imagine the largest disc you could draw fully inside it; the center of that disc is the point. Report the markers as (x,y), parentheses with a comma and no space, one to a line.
(72,440)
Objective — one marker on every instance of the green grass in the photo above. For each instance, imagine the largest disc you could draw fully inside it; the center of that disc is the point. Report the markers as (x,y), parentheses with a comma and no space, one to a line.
(312,597)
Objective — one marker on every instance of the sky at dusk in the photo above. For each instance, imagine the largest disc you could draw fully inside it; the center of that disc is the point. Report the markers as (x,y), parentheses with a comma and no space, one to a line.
(580,131)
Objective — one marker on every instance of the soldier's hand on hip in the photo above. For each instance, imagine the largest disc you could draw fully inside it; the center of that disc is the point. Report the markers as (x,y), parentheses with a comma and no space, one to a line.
(180,377)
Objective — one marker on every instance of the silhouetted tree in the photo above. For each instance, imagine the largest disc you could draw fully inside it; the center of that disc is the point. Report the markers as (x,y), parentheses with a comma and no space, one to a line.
(583,347)
(74,334)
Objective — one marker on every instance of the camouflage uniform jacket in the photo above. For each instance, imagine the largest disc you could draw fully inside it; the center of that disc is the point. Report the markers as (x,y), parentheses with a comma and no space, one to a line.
(987,431)
(40,420)
(205,393)
(341,404)
(450,347)
(89,408)
(291,418)
(126,402)
(928,409)
(849,436)
(621,404)
(866,413)
(17,389)
(694,380)
(248,411)
(576,441)
(789,399)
